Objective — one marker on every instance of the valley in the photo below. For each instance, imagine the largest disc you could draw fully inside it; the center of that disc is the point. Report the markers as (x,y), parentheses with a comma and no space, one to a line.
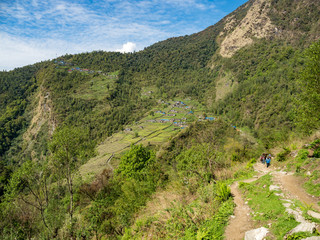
(164,143)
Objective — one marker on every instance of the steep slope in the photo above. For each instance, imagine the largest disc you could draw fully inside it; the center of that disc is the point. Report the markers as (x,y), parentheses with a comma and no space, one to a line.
(43,122)
(271,19)
(258,77)
(191,66)
(244,69)
(260,47)
(255,25)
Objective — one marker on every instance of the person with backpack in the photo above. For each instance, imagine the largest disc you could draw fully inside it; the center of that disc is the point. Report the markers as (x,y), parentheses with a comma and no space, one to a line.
(268,160)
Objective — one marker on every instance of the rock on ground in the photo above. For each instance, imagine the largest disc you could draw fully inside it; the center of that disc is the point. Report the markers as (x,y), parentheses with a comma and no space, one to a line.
(297,215)
(256,234)
(314,214)
(304,227)
(274,188)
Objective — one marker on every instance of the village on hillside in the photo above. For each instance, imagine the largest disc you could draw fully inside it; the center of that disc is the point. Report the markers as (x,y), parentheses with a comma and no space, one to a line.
(61,63)
(175,114)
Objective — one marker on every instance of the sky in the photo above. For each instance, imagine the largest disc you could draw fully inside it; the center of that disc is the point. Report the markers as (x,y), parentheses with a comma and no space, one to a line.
(35,30)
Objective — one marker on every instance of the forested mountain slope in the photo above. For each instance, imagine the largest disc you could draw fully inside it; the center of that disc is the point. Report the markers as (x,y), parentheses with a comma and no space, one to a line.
(256,69)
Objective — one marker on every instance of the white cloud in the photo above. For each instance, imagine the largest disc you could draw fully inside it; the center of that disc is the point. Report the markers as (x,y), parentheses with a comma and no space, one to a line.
(199,4)
(127,47)
(16,52)
(34,30)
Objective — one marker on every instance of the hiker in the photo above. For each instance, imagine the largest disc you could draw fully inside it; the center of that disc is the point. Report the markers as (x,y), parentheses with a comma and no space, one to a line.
(262,158)
(268,160)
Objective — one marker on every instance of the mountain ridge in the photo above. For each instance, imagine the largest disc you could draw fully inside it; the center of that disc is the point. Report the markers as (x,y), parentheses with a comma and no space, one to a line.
(238,83)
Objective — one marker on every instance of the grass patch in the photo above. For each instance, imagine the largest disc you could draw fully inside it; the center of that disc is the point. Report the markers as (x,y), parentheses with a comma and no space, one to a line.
(312,185)
(300,235)
(267,207)
(244,170)
(97,88)
(309,169)
(203,218)
(214,228)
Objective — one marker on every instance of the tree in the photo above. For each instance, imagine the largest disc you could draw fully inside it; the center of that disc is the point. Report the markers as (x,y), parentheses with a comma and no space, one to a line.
(29,185)
(200,161)
(135,161)
(309,100)
(70,148)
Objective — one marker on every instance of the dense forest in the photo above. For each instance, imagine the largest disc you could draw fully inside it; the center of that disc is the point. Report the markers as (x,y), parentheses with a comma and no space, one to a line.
(54,114)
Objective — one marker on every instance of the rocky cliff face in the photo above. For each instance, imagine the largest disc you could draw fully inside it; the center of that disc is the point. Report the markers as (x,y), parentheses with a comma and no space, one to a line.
(256,24)
(290,20)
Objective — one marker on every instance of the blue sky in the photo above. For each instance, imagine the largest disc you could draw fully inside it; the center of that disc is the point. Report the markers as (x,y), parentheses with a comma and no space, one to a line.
(35,30)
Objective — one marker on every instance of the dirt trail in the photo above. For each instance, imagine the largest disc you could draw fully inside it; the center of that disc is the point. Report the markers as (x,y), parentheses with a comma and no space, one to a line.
(289,184)
(241,222)
(292,186)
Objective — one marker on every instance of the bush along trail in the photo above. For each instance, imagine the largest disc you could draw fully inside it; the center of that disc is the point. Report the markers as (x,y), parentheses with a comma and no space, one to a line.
(273,205)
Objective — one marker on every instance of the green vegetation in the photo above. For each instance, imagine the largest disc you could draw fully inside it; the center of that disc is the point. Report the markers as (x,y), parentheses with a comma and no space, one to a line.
(299,235)
(153,147)
(310,91)
(135,161)
(195,169)
(70,147)
(299,18)
(46,190)
(268,207)
(263,99)
(16,87)
(283,154)
(123,194)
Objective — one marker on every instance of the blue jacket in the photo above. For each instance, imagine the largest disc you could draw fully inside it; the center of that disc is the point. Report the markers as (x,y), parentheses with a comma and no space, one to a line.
(268,160)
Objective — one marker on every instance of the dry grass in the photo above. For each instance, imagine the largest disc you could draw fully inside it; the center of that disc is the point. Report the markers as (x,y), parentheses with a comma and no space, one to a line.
(163,200)
(95,166)
(224,86)
(156,209)
(224,174)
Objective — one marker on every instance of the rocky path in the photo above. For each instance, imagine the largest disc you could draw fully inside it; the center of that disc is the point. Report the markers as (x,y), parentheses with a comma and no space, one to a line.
(292,186)
(240,225)
(241,222)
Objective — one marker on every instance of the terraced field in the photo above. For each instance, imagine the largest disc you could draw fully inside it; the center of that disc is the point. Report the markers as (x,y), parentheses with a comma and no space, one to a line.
(157,127)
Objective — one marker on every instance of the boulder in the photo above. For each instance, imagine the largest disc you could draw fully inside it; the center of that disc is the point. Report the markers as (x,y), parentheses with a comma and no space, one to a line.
(304,227)
(256,234)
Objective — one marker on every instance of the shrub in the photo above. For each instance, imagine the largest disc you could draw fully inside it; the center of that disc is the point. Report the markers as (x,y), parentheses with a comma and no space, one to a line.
(134,162)
(302,155)
(299,235)
(235,157)
(316,153)
(298,167)
(316,146)
(250,163)
(223,192)
(282,156)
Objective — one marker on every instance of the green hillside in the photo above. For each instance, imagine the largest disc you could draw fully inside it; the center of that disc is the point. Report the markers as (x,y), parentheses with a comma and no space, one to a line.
(144,145)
